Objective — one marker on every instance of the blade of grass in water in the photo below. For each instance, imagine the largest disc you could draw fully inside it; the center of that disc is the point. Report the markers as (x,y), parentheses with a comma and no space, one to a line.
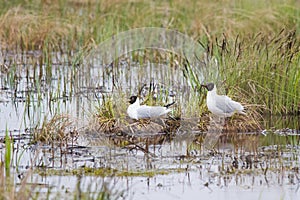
(8,151)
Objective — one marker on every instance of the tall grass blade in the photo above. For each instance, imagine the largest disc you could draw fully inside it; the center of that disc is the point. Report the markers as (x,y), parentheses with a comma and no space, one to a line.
(8,149)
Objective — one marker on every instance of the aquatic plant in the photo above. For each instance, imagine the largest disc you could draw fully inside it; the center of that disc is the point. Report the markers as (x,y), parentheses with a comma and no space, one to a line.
(8,187)
(59,128)
(8,153)
(260,70)
(105,117)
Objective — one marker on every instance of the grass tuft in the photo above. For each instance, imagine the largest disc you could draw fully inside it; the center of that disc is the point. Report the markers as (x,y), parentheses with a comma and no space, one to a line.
(58,129)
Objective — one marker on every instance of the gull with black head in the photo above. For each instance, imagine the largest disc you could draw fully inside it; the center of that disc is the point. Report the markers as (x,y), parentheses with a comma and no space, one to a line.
(221,105)
(137,111)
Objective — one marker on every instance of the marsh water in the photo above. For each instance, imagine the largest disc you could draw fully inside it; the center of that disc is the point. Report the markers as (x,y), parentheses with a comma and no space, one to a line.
(252,165)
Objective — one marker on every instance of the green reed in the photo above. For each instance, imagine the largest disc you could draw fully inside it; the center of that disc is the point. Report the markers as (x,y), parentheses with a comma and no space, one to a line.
(263,70)
(8,153)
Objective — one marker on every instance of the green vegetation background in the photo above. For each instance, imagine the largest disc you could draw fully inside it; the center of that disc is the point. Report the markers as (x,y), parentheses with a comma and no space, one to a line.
(256,43)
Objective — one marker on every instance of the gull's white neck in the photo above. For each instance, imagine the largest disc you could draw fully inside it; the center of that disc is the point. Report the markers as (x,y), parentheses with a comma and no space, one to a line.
(136,103)
(131,110)
(213,92)
(210,98)
(211,101)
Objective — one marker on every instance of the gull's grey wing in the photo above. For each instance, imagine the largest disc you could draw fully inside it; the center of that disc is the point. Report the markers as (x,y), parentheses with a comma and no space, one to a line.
(143,112)
(151,111)
(227,105)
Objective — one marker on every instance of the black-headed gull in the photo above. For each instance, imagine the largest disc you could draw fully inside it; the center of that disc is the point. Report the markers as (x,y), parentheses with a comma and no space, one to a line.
(221,105)
(137,111)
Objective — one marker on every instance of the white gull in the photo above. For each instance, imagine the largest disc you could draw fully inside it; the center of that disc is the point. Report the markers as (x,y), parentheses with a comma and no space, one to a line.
(221,105)
(137,111)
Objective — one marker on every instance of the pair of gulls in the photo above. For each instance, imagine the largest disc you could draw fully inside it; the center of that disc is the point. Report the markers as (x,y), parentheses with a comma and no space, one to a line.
(219,105)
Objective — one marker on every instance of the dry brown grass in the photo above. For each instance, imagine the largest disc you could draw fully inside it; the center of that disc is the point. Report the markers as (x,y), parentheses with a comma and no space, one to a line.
(22,28)
(52,21)
(60,129)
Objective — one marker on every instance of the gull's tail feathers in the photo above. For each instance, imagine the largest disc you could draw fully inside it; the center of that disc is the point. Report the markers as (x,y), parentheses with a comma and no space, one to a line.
(170,104)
